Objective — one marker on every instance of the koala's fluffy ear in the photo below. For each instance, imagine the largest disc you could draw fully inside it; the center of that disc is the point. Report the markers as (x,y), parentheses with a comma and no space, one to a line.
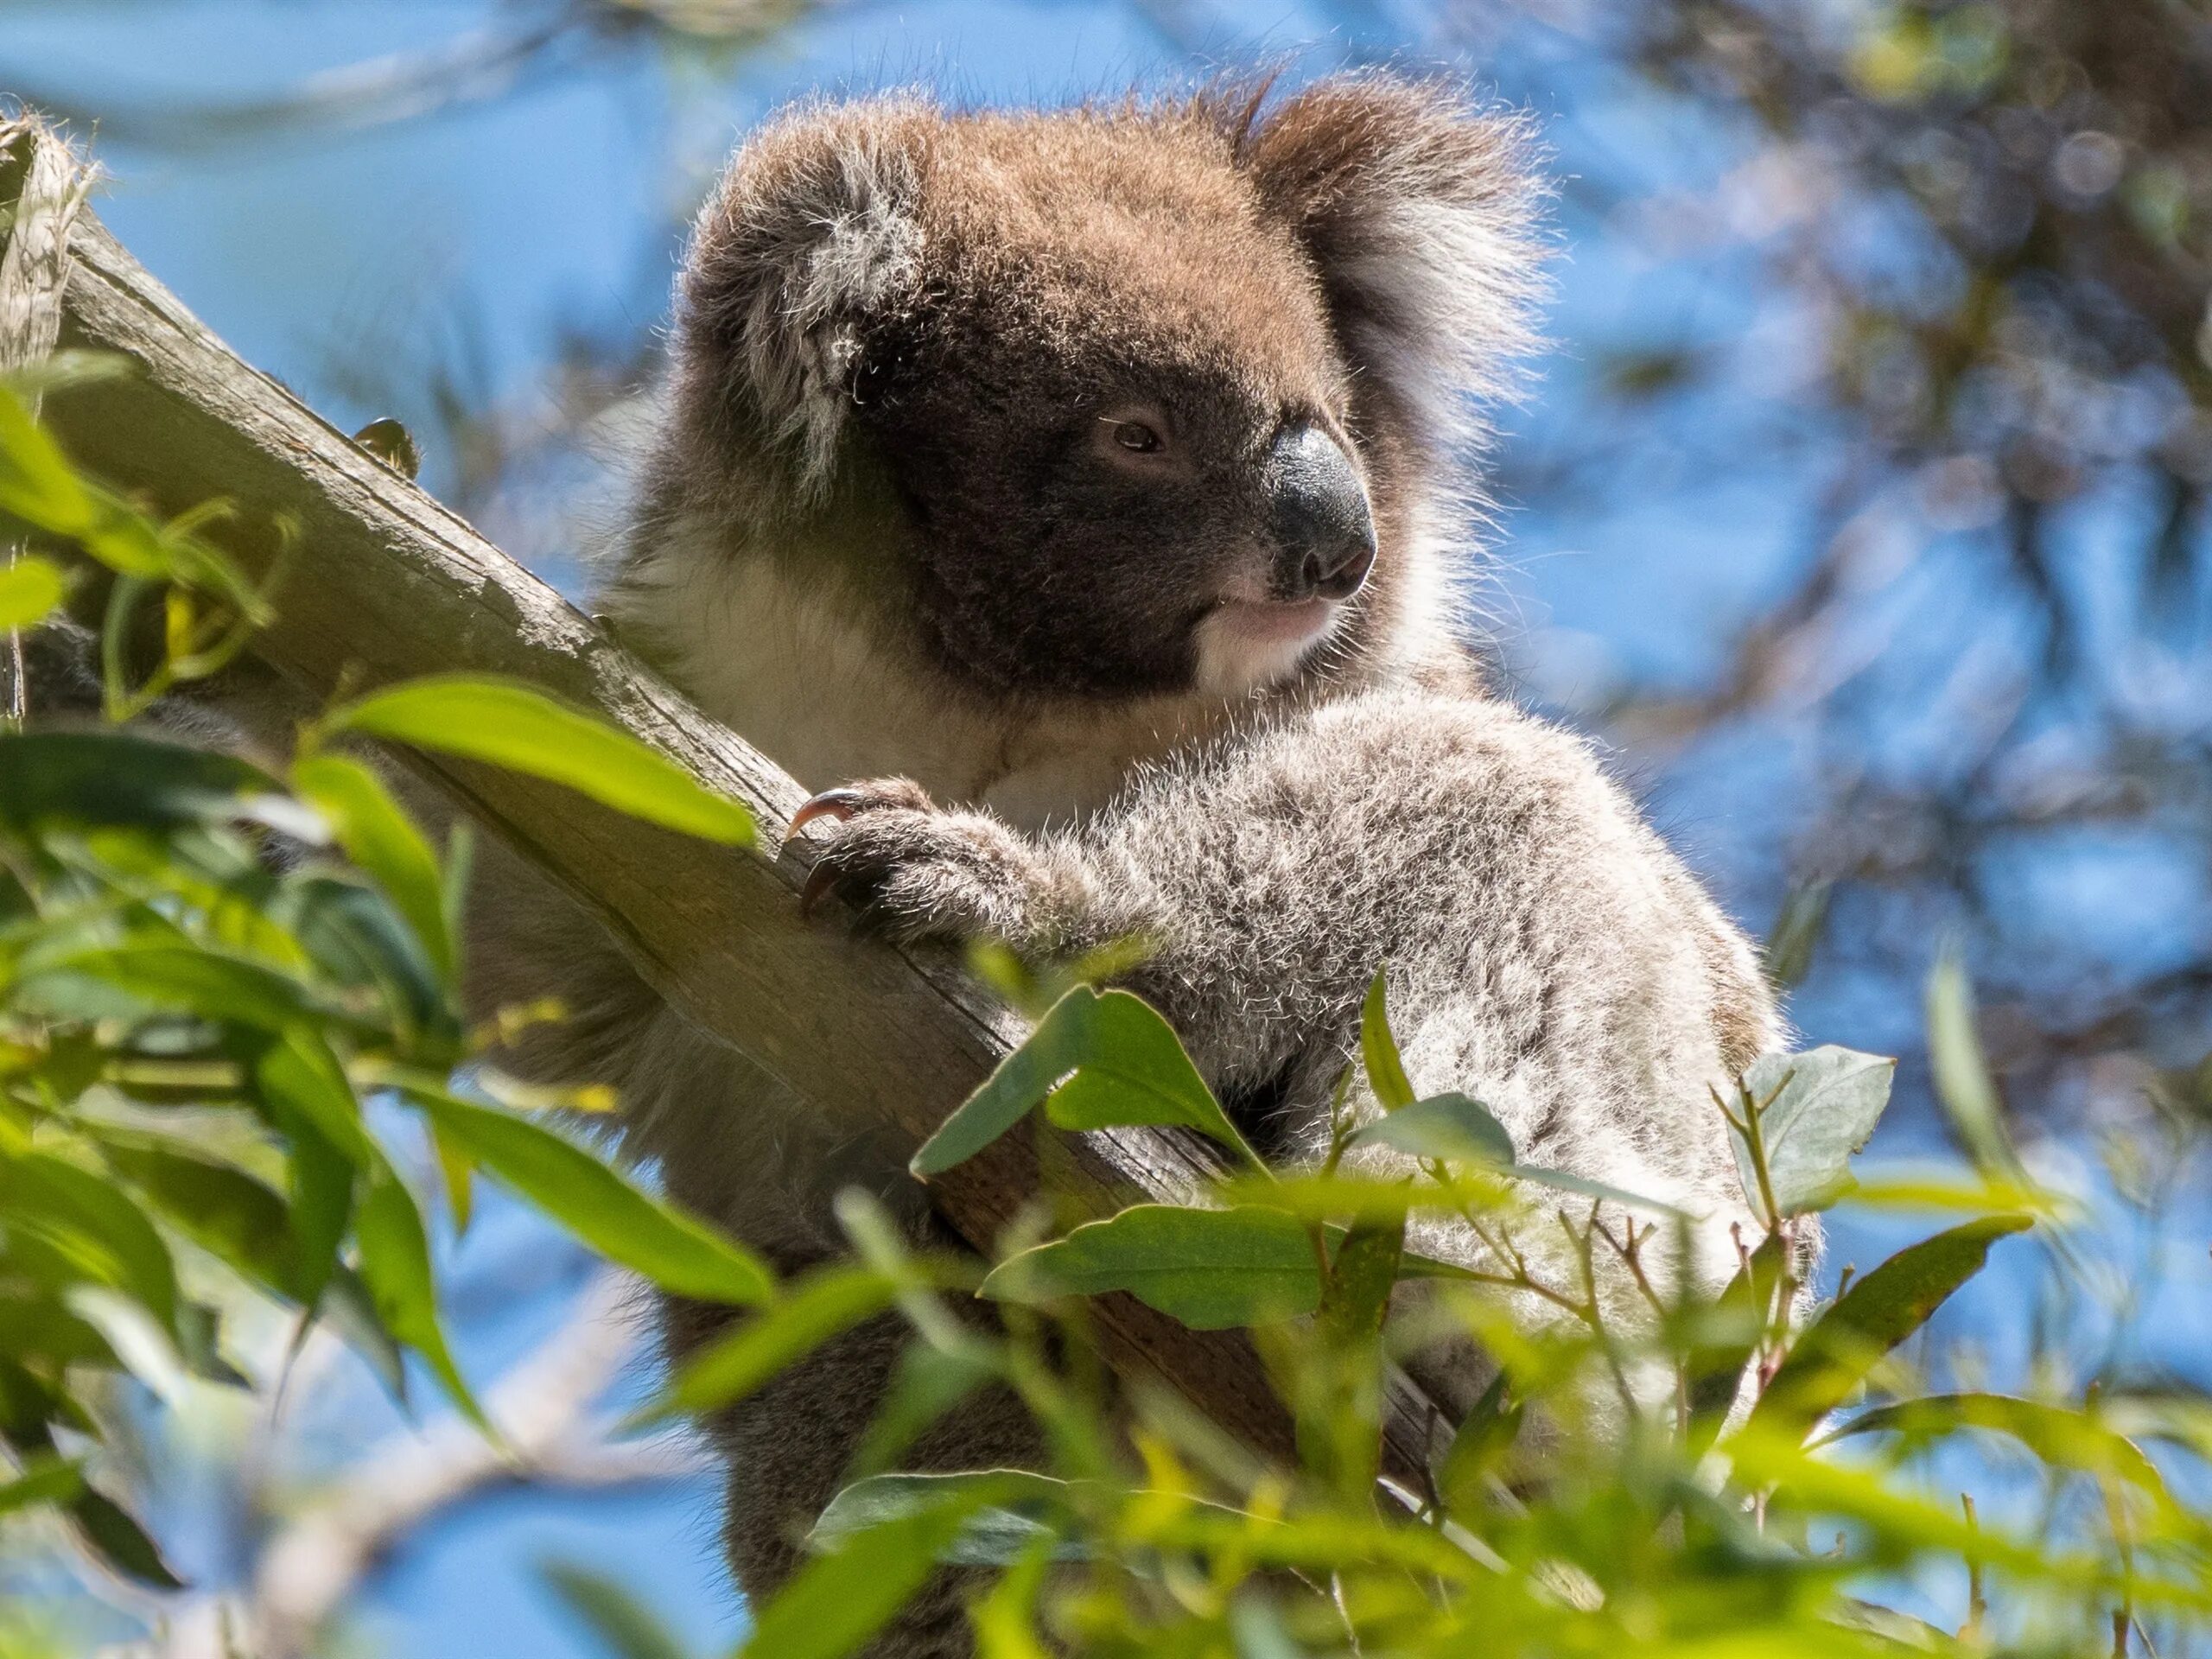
(1418,206)
(812,240)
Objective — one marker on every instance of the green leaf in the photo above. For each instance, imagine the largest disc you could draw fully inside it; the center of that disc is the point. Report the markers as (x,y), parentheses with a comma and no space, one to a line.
(396,1268)
(508,724)
(1877,1312)
(79,781)
(1378,1050)
(1963,1086)
(621,1623)
(298,1075)
(29,589)
(1712,1369)
(97,1224)
(1478,1447)
(380,838)
(808,1314)
(1450,1127)
(322,1208)
(624,1223)
(37,483)
(2060,1435)
(1821,1107)
(1001,1505)
(47,1479)
(221,1209)
(1209,1268)
(837,1601)
(1098,1060)
(120,1541)
(170,979)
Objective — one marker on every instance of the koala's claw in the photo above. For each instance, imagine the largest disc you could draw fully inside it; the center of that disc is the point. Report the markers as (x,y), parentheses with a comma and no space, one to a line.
(912,871)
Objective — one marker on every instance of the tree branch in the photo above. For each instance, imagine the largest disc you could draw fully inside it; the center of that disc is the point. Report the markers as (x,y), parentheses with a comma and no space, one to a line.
(388,584)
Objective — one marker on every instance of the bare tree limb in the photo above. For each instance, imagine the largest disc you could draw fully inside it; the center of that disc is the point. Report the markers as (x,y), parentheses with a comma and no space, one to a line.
(389,584)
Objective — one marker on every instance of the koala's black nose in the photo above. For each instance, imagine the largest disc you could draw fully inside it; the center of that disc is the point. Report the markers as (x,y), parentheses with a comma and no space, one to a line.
(1324,533)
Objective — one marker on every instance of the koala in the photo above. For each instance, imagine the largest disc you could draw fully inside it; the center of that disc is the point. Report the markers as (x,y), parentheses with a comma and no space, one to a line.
(1071,499)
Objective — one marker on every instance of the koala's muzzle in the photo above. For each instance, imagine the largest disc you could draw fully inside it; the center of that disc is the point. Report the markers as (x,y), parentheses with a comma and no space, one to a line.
(1318,510)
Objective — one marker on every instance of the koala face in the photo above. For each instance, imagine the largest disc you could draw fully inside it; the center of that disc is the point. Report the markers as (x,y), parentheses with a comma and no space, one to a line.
(1119,477)
(1152,394)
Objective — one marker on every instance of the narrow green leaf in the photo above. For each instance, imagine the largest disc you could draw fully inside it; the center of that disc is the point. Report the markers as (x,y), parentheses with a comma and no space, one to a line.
(377,836)
(37,483)
(297,1074)
(1001,1507)
(2062,1436)
(77,780)
(106,1232)
(396,1268)
(1450,1127)
(623,1223)
(1821,1106)
(1712,1369)
(1209,1268)
(1963,1085)
(1099,1060)
(120,1541)
(508,724)
(837,1601)
(47,1479)
(223,1210)
(29,589)
(1877,1312)
(174,979)
(824,1305)
(1478,1449)
(1378,1050)
(619,1623)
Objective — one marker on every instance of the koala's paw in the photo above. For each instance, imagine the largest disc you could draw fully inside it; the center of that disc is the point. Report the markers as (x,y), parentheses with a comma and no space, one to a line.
(911,872)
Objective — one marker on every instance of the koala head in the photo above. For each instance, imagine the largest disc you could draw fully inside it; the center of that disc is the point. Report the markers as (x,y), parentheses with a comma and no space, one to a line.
(1111,402)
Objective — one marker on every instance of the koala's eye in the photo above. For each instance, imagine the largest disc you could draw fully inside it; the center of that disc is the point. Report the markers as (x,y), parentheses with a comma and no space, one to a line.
(1137,436)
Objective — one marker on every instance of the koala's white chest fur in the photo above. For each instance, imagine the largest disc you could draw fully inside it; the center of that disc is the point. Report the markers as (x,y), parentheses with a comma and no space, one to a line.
(801,678)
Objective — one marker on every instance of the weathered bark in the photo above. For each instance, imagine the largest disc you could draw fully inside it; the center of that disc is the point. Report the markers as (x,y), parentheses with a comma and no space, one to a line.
(384,583)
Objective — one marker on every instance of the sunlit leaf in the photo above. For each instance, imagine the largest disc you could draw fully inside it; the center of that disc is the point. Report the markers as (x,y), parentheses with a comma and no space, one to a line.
(808,1314)
(509,724)
(1378,1050)
(1963,1085)
(1819,1108)
(1209,1268)
(1870,1318)
(1098,1060)
(618,1620)
(837,1601)
(29,589)
(379,837)
(620,1220)
(1001,1506)
(2060,1435)
(396,1268)
(49,1479)
(1450,1127)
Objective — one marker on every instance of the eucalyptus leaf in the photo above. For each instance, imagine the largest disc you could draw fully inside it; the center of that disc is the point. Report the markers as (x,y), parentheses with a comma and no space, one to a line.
(507,723)
(1098,1060)
(1819,1108)
(396,1268)
(620,1220)
(1874,1315)
(1450,1127)
(1209,1268)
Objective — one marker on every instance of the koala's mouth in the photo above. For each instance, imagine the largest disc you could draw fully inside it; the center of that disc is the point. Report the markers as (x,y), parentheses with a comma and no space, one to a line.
(1273,622)
(1246,643)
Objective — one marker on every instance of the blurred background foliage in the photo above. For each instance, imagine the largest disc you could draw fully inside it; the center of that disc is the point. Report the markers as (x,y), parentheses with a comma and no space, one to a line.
(1862,503)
